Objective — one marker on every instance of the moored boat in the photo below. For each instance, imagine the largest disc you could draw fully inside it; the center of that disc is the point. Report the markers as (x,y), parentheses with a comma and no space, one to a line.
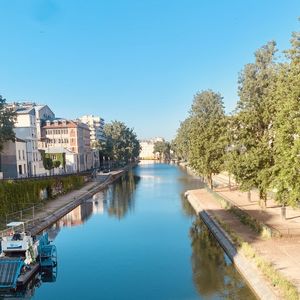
(22,255)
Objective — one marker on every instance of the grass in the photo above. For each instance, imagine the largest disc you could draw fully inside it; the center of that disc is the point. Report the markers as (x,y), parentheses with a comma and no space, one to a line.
(285,286)
(256,226)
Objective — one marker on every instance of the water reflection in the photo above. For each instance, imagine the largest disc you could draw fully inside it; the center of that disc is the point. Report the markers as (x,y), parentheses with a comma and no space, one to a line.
(213,273)
(120,196)
(45,275)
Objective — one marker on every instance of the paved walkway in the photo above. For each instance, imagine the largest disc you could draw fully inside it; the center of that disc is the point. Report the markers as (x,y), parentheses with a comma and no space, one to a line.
(271,215)
(284,252)
(61,203)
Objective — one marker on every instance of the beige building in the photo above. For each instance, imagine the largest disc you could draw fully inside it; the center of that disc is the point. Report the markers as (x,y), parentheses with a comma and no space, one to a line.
(71,135)
(147,148)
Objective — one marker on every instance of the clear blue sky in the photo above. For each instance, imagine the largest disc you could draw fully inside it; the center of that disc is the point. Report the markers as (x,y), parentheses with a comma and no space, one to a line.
(136,61)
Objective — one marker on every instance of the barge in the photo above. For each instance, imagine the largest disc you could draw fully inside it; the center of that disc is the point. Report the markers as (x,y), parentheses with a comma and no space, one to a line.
(23,255)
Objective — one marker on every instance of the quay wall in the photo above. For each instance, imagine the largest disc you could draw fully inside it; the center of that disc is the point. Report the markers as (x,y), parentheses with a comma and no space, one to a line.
(255,280)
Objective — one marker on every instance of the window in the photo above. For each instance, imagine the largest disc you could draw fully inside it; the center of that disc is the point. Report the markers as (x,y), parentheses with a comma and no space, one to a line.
(19,154)
(25,169)
(23,152)
(20,169)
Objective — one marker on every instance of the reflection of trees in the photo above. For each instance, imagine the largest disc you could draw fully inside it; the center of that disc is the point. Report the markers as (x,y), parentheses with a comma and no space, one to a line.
(187,208)
(213,273)
(120,198)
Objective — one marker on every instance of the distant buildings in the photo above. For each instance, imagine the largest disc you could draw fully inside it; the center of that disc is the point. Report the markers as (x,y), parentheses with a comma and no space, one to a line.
(40,135)
(95,125)
(147,148)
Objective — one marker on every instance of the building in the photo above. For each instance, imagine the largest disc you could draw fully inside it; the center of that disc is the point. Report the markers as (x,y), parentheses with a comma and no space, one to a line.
(96,125)
(42,113)
(26,130)
(68,159)
(30,119)
(73,136)
(13,159)
(147,148)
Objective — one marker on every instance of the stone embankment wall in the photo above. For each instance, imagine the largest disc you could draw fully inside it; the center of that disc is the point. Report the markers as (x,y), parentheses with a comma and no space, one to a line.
(255,280)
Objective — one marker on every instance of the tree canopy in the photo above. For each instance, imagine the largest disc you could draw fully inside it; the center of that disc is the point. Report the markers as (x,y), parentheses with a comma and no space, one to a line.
(163,148)
(260,142)
(121,142)
(201,137)
(7,120)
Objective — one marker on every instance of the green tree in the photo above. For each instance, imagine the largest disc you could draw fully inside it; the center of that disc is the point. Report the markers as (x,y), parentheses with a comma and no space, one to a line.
(252,126)
(207,134)
(48,163)
(287,128)
(121,142)
(7,120)
(163,148)
(181,143)
(56,163)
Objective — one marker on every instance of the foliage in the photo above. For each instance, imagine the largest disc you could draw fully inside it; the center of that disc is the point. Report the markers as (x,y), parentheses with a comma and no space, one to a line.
(16,195)
(7,120)
(163,148)
(121,142)
(56,163)
(286,170)
(251,127)
(207,134)
(181,143)
(48,163)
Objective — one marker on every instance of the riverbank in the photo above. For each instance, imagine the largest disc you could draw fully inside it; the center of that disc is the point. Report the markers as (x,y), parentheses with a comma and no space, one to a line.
(258,267)
(60,206)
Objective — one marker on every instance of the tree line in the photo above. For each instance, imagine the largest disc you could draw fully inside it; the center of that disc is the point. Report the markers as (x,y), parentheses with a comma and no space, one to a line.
(259,143)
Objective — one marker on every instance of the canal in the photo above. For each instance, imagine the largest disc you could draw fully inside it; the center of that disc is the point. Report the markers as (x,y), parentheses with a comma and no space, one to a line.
(139,239)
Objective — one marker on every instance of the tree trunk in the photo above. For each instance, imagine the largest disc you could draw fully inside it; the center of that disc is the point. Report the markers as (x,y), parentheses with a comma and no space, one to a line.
(249,196)
(210,182)
(283,212)
(262,199)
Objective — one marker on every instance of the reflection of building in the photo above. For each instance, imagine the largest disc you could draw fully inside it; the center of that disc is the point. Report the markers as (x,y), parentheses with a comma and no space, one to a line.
(147,148)
(98,206)
(77,216)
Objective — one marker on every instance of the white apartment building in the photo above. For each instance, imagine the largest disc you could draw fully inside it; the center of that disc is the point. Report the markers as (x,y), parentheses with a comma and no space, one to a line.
(96,125)
(25,129)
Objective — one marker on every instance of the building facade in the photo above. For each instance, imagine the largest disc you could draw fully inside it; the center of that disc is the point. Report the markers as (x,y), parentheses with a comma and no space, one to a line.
(147,148)
(25,129)
(13,159)
(96,125)
(73,136)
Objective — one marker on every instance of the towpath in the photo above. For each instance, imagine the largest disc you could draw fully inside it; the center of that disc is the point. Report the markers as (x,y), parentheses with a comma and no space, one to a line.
(282,252)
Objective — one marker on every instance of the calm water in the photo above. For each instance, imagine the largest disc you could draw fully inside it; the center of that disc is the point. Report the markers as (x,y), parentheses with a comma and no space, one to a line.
(139,239)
